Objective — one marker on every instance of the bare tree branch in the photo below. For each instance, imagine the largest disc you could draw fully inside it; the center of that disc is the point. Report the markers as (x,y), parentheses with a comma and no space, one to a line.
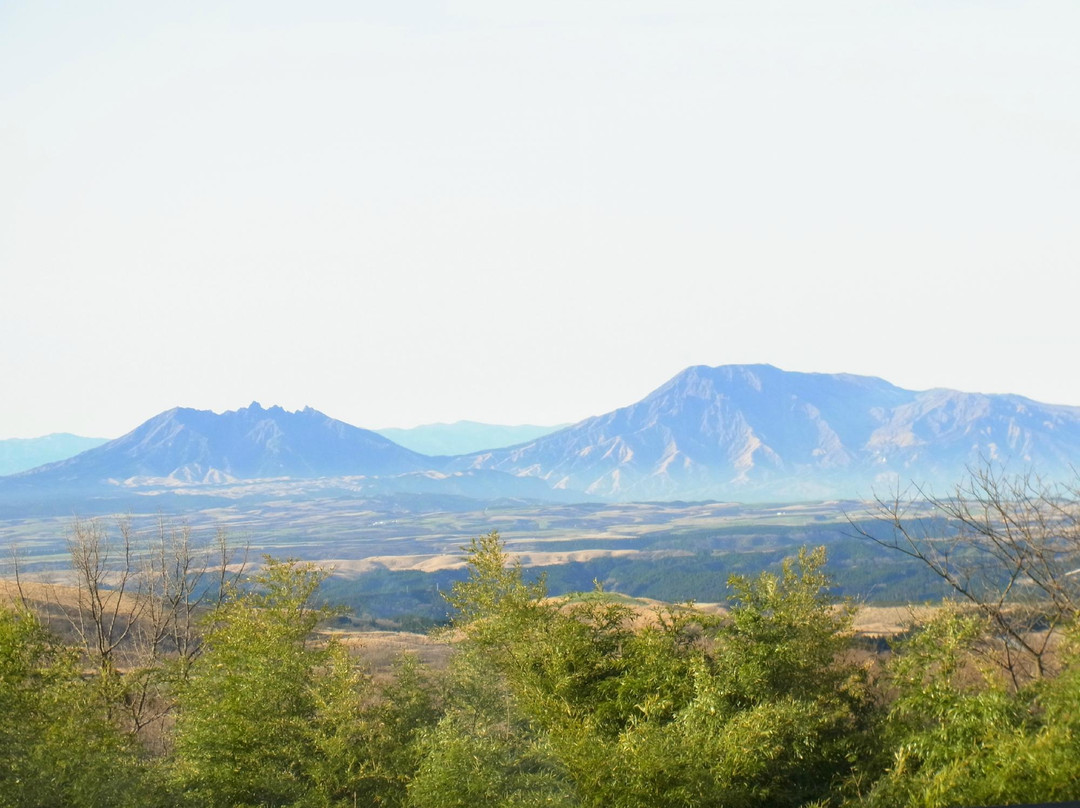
(1007,545)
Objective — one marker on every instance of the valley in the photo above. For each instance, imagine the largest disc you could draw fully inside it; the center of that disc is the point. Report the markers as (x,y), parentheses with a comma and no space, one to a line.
(392,557)
(718,471)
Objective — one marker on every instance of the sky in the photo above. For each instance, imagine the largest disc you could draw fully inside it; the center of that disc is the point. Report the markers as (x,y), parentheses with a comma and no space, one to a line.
(527,212)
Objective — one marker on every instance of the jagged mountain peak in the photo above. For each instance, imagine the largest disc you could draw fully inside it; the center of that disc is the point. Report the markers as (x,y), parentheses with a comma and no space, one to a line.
(248,443)
(735,432)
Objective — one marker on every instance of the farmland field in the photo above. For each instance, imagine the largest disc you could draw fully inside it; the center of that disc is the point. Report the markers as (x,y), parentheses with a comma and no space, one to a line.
(392,557)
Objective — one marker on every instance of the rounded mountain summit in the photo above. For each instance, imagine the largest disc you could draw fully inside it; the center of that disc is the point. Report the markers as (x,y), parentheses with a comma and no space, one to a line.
(755,432)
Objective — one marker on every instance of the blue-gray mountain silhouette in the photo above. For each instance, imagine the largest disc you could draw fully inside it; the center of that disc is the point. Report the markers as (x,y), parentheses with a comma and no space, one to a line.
(464,437)
(20,454)
(736,432)
(187,445)
(754,432)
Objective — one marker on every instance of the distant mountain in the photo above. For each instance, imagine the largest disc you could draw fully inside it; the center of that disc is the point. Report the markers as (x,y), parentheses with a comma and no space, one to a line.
(185,446)
(748,433)
(754,432)
(20,454)
(463,437)
(196,458)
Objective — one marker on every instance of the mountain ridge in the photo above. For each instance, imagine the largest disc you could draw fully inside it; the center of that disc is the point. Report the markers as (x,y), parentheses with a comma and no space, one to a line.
(732,432)
(22,454)
(739,431)
(463,437)
(191,445)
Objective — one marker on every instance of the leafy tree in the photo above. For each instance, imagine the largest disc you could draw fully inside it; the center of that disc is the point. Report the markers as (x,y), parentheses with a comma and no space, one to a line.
(133,610)
(406,708)
(367,740)
(580,704)
(1007,546)
(265,708)
(57,746)
(473,759)
(982,699)
(774,716)
(957,733)
(485,750)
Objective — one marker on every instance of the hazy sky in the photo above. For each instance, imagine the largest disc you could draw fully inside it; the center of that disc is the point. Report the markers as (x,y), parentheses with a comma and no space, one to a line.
(527,212)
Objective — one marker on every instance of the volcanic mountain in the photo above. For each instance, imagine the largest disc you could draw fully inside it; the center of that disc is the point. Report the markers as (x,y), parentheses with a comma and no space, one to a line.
(736,432)
(754,432)
(198,446)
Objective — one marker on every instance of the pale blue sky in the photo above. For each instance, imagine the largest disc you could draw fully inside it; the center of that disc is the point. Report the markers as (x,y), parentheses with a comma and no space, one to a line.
(525,212)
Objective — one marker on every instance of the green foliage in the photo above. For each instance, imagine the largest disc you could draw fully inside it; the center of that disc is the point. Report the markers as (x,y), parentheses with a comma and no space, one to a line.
(785,632)
(956,734)
(57,746)
(585,701)
(405,710)
(472,765)
(268,716)
(367,740)
(495,588)
(772,716)
(590,707)
(485,750)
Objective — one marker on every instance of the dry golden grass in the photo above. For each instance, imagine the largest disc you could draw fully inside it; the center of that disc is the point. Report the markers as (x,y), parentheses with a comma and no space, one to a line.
(889,621)
(378,650)
(455,561)
(869,621)
(36,592)
(52,599)
(423,563)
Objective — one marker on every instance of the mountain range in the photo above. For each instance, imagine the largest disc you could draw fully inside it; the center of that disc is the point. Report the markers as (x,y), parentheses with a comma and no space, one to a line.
(185,445)
(754,432)
(20,454)
(460,437)
(735,432)
(464,437)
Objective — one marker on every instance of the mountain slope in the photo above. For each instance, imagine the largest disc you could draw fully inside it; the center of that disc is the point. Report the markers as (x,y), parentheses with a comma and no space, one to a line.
(20,454)
(463,437)
(738,432)
(187,445)
(757,432)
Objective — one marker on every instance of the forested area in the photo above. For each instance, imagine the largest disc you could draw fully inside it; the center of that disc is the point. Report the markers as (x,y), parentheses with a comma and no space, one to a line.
(197,684)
